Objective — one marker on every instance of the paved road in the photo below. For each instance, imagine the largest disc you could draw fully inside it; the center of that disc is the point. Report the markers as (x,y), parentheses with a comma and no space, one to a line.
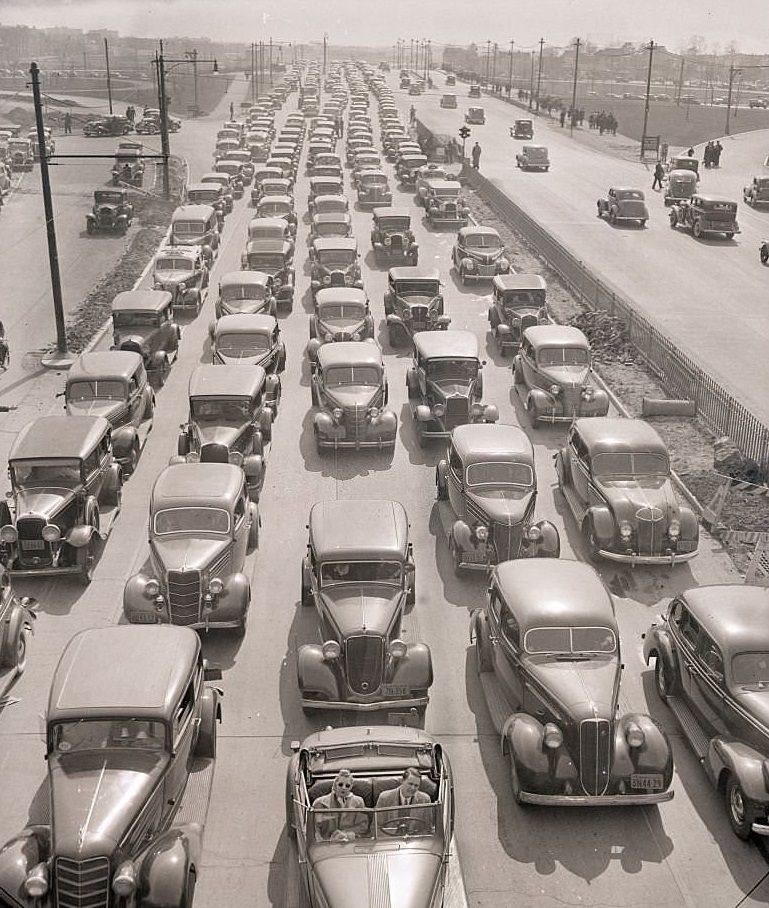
(680,854)
(709,295)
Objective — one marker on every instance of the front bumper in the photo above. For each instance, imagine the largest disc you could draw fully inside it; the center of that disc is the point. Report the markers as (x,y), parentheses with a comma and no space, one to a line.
(628,558)
(562,800)
(352,706)
(484,273)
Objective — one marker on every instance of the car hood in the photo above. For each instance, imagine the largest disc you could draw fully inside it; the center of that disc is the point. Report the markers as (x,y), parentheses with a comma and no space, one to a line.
(368,607)
(500,508)
(173,277)
(627,497)
(130,340)
(244,307)
(418,299)
(106,207)
(95,797)
(483,255)
(566,375)
(584,688)
(353,396)
(341,326)
(396,879)
(42,503)
(258,360)
(109,409)
(187,553)
(448,388)
(219,435)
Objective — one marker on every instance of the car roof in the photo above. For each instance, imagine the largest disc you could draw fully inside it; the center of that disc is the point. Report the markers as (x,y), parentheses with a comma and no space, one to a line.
(357,528)
(204,484)
(192,212)
(555,593)
(269,222)
(238,278)
(268,200)
(614,434)
(712,199)
(325,196)
(332,217)
(59,436)
(246,322)
(86,682)
(478,231)
(476,442)
(204,187)
(443,184)
(414,273)
(268,244)
(323,243)
(372,171)
(534,147)
(556,336)
(391,213)
(146,300)
(679,174)
(104,365)
(209,380)
(735,615)
(187,252)
(315,181)
(450,343)
(340,295)
(520,282)
(345,353)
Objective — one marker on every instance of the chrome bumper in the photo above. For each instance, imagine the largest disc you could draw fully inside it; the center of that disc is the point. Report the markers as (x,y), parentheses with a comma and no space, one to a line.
(648,559)
(406,703)
(562,800)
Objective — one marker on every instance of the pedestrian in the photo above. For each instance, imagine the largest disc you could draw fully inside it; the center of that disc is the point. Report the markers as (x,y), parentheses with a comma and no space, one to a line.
(690,152)
(562,116)
(232,111)
(707,155)
(475,154)
(659,173)
(601,122)
(339,125)
(412,115)
(717,149)
(67,123)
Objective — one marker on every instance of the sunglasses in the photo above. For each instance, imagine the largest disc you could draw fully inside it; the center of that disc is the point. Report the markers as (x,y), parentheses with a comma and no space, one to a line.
(344,784)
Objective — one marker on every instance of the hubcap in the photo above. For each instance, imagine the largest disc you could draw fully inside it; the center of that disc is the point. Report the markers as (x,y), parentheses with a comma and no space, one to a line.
(737,805)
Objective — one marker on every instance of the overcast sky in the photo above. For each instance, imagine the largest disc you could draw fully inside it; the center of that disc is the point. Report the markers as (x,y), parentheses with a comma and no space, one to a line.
(669,22)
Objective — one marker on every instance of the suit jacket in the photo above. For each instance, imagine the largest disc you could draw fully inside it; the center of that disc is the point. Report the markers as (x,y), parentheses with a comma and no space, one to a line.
(391,798)
(348,820)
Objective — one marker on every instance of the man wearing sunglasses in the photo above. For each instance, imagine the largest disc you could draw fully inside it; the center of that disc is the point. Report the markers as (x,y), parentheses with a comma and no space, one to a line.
(349,819)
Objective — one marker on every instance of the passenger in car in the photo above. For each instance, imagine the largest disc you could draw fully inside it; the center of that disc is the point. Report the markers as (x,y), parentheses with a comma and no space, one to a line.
(347,824)
(402,797)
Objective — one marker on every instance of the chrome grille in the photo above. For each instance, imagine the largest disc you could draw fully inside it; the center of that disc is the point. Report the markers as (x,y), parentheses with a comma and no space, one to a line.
(594,746)
(355,420)
(82,884)
(33,549)
(571,398)
(184,591)
(457,412)
(222,566)
(649,530)
(364,657)
(419,318)
(396,242)
(507,540)
(528,321)
(337,278)
(30,528)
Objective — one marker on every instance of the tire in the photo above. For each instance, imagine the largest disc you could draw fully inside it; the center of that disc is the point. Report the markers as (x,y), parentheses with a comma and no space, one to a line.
(612,217)
(590,541)
(455,558)
(411,595)
(483,661)
(441,491)
(730,236)
(599,213)
(531,411)
(86,561)
(306,594)
(149,407)
(665,687)
(764,254)
(314,396)
(253,535)
(697,229)
(517,373)
(189,891)
(133,459)
(642,223)
(462,276)
(114,497)
(673,219)
(515,782)
(16,656)
(739,809)
(90,228)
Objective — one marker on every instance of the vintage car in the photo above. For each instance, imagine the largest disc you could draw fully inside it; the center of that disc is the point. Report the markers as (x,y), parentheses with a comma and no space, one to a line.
(341,314)
(711,667)
(449,101)
(196,225)
(705,214)
(552,374)
(113,125)
(128,167)
(359,552)
(232,170)
(533,157)
(407,166)
(411,846)
(242,158)
(680,186)
(214,192)
(335,263)
(264,172)
(547,650)
(475,91)
(147,126)
(413,302)
(763,252)
(142,321)
(445,384)
(479,254)
(331,204)
(486,487)
(475,116)
(277,206)
(349,388)
(19,154)
(273,257)
(365,160)
(270,229)
(326,164)
(373,188)
(230,419)
(66,489)
(113,384)
(684,162)
(445,205)
(451,80)
(137,747)
(270,185)
(623,204)
(323,186)
(111,211)
(202,524)
(249,339)
(757,193)
(424,176)
(392,236)
(16,627)
(224,147)
(181,271)
(333,223)
(522,129)
(615,476)
(519,302)
(244,293)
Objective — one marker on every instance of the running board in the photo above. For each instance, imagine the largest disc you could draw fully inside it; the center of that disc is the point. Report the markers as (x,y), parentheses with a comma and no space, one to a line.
(197,794)
(699,741)
(496,702)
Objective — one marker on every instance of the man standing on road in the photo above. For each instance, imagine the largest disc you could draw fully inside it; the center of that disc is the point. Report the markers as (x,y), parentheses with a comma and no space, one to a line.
(412,115)
(232,111)
(67,123)
(475,154)
(659,173)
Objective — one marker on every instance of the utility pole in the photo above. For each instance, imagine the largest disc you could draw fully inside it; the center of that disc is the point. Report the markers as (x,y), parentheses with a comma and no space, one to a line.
(270,62)
(732,73)
(510,71)
(648,90)
(427,61)
(325,42)
(109,80)
(574,89)
(539,74)
(253,73)
(411,58)
(165,148)
(494,68)
(680,82)
(488,61)
(61,357)
(531,82)
(194,56)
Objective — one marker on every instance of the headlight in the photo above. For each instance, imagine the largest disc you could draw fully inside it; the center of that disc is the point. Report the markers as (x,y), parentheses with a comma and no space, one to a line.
(674,530)
(328,337)
(8,533)
(124,881)
(503,263)
(356,336)
(625,529)
(331,649)
(469,264)
(587,393)
(553,736)
(481,533)
(387,241)
(533,534)
(326,278)
(36,882)
(397,649)
(152,588)
(51,533)
(555,390)
(407,313)
(182,287)
(337,413)
(439,410)
(349,279)
(373,412)
(215,586)
(634,735)
(158,285)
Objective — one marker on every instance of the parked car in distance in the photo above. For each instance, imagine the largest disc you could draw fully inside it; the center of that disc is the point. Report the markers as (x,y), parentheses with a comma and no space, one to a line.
(757,193)
(711,659)
(533,157)
(479,254)
(392,236)
(142,321)
(66,489)
(519,301)
(552,374)
(251,339)
(547,648)
(244,293)
(679,186)
(451,80)
(413,302)
(181,271)
(359,551)
(522,129)
(624,204)
(341,314)
(449,101)
(113,384)
(107,126)
(128,742)
(704,215)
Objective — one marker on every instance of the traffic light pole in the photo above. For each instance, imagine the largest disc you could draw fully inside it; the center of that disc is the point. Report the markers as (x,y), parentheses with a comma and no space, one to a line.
(464,133)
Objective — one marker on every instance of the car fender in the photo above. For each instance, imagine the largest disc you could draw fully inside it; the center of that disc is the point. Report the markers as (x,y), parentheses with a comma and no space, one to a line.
(166,866)
(385,424)
(253,467)
(422,413)
(312,348)
(134,599)
(655,755)
(415,670)
(18,856)
(690,528)
(18,618)
(541,399)
(523,738)
(123,439)
(314,673)
(211,331)
(90,218)
(547,546)
(603,523)
(462,536)
(80,535)
(323,423)
(490,413)
(726,755)
(600,402)
(657,644)
(233,601)
(272,385)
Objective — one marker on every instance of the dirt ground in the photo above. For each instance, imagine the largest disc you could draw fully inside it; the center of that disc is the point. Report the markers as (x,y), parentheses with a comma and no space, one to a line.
(619,364)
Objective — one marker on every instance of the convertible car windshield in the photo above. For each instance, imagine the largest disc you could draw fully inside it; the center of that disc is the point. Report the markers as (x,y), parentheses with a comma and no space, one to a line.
(333,572)
(171,264)
(135,319)
(264,262)
(626,195)
(191,520)
(607,466)
(417,288)
(394,223)
(243,292)
(101,734)
(348,824)
(109,198)
(570,640)
(342,311)
(333,258)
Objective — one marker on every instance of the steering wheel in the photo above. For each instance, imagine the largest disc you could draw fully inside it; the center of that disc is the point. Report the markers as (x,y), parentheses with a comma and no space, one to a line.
(406,826)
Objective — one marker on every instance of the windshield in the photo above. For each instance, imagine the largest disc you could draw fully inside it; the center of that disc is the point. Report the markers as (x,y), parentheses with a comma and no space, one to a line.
(563,356)
(452,369)
(336,257)
(242,292)
(100,734)
(220,410)
(338,826)
(629,194)
(335,572)
(502,473)
(394,223)
(483,241)
(205,195)
(173,264)
(607,466)
(341,311)
(269,209)
(332,228)
(264,262)
(240,345)
(189,228)
(446,192)
(570,640)
(191,520)
(30,474)
(135,319)
(96,390)
(420,288)
(373,179)
(523,298)
(109,198)
(326,206)
(751,669)
(337,376)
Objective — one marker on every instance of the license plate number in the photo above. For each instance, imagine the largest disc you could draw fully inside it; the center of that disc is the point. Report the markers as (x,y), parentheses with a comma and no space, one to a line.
(395,690)
(32,545)
(646,781)
(144,618)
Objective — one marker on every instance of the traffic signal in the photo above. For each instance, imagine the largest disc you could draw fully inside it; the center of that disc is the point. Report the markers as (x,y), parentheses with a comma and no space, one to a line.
(464,132)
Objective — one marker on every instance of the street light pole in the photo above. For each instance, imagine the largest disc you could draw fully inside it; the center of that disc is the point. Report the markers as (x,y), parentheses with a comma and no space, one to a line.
(270,62)
(732,73)
(510,71)
(648,91)
(574,89)
(109,80)
(539,74)
(194,57)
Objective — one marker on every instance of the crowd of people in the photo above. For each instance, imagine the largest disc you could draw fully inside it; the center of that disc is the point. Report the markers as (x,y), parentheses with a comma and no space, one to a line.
(603,122)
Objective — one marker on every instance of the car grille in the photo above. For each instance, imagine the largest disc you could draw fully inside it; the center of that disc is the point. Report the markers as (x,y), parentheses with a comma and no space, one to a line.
(457,412)
(32,547)
(649,529)
(396,242)
(571,396)
(449,210)
(594,746)
(419,318)
(337,279)
(355,420)
(184,591)
(106,216)
(528,321)
(82,884)
(364,656)
(507,540)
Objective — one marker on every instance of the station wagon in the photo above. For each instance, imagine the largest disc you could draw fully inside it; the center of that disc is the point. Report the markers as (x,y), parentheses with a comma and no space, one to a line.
(341,314)
(519,302)
(142,321)
(413,302)
(245,293)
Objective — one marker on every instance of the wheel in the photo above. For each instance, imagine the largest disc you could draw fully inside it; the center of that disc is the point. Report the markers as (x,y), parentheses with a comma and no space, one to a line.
(599,213)
(441,490)
(515,782)
(149,407)
(393,332)
(314,396)
(86,561)
(764,254)
(462,276)
(456,558)
(531,410)
(673,218)
(612,216)
(306,595)
(590,540)
(114,497)
(483,661)
(411,595)
(133,459)
(518,373)
(189,891)
(90,228)
(697,229)
(420,434)
(16,656)
(253,535)
(664,685)
(642,222)
(739,809)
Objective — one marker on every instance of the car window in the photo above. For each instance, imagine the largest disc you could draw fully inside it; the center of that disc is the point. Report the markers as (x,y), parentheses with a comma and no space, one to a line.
(455,461)
(710,655)
(91,463)
(570,640)
(509,626)
(689,628)
(99,734)
(184,712)
(240,511)
(336,572)
(105,389)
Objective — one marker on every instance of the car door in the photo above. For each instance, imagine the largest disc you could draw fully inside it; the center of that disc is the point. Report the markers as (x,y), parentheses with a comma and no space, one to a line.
(505,637)
(241,526)
(708,688)
(183,732)
(454,482)
(135,399)
(686,631)
(579,465)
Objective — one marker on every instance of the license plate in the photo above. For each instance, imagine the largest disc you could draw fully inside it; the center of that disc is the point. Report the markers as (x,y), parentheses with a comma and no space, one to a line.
(32,545)
(651,781)
(144,618)
(395,690)
(487,269)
